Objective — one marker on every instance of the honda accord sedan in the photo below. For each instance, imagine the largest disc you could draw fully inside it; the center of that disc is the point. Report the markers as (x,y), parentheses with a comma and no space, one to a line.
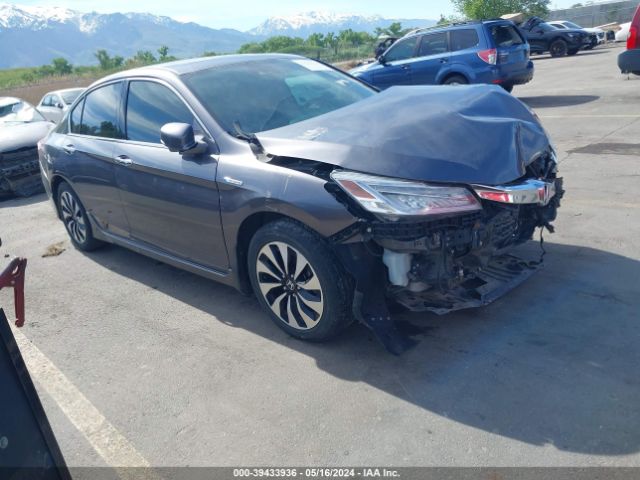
(327,199)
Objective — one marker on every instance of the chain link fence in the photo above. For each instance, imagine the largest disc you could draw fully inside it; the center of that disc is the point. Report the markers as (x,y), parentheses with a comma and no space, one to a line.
(597,14)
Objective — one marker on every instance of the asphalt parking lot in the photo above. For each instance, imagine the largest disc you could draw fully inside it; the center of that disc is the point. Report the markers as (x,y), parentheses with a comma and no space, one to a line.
(139,363)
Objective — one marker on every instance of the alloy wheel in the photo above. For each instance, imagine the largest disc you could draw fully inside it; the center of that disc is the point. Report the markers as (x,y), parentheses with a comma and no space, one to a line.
(73,217)
(289,285)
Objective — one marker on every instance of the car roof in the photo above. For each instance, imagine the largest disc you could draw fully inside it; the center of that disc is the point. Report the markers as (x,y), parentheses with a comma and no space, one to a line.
(455,25)
(182,67)
(4,101)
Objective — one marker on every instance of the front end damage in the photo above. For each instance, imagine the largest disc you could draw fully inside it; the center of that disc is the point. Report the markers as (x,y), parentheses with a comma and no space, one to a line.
(450,262)
(20,172)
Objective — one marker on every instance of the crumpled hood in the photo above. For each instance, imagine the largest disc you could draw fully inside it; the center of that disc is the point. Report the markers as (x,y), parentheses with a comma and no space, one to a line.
(459,134)
(20,135)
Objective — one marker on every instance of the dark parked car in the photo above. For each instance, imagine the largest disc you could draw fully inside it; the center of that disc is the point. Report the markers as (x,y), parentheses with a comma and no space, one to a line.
(629,60)
(21,127)
(491,52)
(281,175)
(543,37)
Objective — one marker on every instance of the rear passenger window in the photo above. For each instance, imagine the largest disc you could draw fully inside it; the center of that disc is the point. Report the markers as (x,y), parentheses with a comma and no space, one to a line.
(75,118)
(402,50)
(463,39)
(150,106)
(506,36)
(100,113)
(433,44)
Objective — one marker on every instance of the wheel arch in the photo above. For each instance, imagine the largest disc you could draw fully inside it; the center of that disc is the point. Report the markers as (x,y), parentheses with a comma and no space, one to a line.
(56,181)
(454,73)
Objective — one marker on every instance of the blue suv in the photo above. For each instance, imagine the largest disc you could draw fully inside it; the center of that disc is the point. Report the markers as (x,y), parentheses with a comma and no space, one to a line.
(489,51)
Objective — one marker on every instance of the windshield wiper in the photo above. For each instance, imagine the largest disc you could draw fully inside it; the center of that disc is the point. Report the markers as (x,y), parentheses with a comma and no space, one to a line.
(251,138)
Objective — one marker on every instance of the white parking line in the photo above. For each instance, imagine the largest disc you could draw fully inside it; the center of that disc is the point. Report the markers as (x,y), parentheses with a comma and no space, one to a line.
(107,441)
(589,116)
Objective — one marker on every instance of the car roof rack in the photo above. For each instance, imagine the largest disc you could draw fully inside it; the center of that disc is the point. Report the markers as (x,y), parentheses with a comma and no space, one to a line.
(452,24)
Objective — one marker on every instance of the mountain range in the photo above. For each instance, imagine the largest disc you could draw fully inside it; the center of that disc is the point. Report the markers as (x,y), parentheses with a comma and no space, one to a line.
(32,36)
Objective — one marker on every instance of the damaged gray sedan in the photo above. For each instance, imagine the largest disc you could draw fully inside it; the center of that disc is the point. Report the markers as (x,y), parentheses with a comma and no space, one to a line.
(286,177)
(21,127)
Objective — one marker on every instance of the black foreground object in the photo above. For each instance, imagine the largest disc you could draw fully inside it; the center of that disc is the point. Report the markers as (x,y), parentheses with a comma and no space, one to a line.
(28,448)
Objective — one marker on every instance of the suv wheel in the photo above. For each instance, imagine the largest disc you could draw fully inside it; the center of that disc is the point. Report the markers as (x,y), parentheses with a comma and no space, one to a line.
(508,88)
(558,48)
(75,219)
(455,80)
(299,281)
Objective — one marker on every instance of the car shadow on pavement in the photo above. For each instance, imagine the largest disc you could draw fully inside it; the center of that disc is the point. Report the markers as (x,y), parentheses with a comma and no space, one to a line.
(552,363)
(579,54)
(550,101)
(13,201)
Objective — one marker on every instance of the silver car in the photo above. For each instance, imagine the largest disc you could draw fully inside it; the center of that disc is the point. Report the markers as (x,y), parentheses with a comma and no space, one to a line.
(54,105)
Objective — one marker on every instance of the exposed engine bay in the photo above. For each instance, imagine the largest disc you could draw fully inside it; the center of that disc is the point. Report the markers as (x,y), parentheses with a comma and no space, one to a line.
(453,262)
(20,172)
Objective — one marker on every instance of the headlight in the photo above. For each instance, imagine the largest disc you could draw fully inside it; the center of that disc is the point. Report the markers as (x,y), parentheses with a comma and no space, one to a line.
(395,198)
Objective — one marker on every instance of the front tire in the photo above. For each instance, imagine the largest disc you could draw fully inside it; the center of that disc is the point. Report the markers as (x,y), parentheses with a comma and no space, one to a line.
(456,80)
(75,219)
(299,281)
(558,48)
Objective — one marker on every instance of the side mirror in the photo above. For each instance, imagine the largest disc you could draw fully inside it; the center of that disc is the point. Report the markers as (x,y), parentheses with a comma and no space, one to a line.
(59,105)
(179,137)
(382,60)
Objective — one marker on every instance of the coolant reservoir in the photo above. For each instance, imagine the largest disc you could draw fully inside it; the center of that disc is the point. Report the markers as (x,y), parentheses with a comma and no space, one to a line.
(398,265)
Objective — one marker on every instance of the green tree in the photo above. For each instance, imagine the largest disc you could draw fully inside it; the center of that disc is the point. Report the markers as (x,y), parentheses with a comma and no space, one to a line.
(481,9)
(395,29)
(61,66)
(45,71)
(104,59)
(253,47)
(144,57)
(163,51)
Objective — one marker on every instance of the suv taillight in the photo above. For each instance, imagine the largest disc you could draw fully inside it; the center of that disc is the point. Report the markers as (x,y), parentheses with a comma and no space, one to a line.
(632,40)
(489,56)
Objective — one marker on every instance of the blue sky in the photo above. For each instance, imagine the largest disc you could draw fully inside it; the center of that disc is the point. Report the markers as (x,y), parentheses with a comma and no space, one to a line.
(246,14)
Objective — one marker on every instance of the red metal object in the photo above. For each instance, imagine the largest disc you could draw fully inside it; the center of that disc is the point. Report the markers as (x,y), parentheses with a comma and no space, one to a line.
(13,277)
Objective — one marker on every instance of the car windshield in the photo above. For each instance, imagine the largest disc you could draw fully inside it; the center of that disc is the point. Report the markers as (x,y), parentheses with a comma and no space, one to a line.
(19,112)
(545,27)
(572,25)
(70,96)
(259,95)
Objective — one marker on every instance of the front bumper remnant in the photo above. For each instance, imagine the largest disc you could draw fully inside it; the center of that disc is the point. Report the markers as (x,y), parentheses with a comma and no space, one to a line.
(501,275)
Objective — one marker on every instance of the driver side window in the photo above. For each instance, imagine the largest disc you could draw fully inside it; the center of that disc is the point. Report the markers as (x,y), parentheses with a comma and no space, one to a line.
(402,50)
(149,107)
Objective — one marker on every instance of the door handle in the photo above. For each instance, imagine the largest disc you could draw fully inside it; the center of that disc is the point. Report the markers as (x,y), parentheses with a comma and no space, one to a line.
(406,67)
(123,160)
(444,60)
(69,149)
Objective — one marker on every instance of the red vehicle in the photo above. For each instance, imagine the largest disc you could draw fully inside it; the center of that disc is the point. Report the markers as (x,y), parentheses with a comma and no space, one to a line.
(629,60)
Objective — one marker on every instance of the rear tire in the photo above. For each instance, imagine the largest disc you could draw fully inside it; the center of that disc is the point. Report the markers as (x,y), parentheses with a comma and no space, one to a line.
(456,80)
(299,281)
(508,88)
(558,48)
(75,219)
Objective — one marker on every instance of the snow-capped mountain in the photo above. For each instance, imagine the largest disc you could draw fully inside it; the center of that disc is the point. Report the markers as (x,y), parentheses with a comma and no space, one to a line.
(304,24)
(31,36)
